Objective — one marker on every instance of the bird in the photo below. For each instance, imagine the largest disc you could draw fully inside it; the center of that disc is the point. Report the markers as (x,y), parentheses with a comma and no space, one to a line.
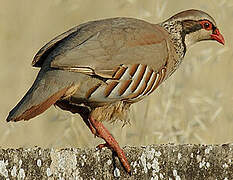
(99,68)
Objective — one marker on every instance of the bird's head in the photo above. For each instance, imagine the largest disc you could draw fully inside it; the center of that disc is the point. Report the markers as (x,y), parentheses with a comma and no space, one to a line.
(194,26)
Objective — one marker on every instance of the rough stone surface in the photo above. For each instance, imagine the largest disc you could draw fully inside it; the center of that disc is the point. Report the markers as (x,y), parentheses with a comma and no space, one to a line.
(148,162)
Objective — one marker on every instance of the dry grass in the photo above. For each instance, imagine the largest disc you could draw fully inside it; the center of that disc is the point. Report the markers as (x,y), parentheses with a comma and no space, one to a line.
(194,106)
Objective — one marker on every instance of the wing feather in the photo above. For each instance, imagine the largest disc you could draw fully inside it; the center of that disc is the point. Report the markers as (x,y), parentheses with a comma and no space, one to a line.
(101,47)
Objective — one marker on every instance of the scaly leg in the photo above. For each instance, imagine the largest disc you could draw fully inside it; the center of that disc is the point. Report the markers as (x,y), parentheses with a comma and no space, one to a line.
(103,133)
(98,129)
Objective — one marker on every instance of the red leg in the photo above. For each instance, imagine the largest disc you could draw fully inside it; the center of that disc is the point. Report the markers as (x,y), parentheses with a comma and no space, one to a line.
(103,133)
(98,129)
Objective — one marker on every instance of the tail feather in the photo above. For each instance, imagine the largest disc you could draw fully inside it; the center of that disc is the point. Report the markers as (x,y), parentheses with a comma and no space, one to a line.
(39,108)
(49,87)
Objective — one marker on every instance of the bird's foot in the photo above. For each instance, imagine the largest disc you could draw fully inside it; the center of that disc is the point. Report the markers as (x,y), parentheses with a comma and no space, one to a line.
(101,146)
(111,143)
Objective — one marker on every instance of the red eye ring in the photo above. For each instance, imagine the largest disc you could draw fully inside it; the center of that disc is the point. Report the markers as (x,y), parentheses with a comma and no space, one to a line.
(206,25)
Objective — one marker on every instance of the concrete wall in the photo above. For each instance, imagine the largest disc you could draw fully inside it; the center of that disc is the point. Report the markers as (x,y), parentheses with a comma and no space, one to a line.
(148,162)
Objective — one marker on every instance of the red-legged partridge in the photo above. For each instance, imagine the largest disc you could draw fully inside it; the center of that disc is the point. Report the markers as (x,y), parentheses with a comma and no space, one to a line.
(99,68)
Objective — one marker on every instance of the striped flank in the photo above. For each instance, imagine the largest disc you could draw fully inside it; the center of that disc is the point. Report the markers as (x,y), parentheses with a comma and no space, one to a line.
(159,81)
(131,82)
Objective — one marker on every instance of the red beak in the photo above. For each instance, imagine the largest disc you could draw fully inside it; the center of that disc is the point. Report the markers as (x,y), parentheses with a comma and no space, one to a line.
(218,36)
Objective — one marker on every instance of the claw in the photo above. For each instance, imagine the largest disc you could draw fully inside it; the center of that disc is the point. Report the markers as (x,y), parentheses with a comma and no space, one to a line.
(101,146)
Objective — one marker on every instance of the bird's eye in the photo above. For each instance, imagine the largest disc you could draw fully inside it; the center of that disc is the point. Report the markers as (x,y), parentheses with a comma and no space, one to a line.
(206,25)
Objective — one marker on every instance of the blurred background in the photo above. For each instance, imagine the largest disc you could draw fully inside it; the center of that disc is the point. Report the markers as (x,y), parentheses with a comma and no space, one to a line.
(195,105)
